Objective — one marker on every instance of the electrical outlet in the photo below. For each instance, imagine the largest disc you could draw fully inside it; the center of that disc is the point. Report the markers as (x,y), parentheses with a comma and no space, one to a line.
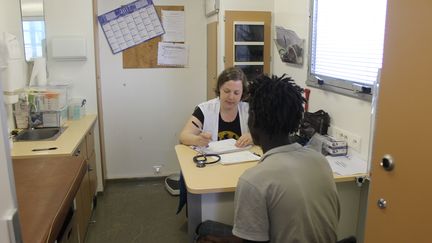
(353,140)
(340,134)
(157,169)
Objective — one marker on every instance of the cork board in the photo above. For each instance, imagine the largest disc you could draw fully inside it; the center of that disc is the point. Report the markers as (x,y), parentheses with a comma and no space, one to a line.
(145,54)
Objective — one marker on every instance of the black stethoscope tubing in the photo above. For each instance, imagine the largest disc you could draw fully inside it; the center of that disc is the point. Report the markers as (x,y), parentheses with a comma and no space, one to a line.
(201,159)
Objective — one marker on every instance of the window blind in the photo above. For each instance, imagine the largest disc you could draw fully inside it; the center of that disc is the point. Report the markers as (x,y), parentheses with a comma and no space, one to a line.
(347,39)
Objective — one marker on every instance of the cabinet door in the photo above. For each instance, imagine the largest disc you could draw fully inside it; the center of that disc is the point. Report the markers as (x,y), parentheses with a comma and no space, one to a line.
(81,151)
(92,175)
(71,232)
(89,143)
(83,206)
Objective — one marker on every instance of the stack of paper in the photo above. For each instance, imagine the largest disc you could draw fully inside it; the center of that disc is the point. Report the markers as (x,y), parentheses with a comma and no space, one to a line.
(229,152)
(238,157)
(223,147)
(347,165)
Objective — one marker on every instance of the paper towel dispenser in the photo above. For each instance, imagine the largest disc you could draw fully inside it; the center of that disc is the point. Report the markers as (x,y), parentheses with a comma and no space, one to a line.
(69,48)
(12,64)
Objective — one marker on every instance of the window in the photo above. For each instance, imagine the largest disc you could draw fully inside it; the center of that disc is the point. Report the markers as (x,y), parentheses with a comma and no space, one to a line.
(346,46)
(249,47)
(34,35)
(247,41)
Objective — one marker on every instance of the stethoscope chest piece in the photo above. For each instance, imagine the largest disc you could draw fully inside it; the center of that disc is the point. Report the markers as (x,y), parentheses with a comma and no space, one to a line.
(201,159)
(200,164)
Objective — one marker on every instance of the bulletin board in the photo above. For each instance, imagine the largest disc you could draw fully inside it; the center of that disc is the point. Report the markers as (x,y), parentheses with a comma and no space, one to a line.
(145,54)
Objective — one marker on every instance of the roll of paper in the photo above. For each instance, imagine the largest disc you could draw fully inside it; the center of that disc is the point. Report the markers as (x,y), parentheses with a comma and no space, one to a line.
(10,99)
(39,75)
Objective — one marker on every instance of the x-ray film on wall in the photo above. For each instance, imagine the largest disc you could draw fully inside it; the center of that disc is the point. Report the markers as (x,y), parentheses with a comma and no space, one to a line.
(289,46)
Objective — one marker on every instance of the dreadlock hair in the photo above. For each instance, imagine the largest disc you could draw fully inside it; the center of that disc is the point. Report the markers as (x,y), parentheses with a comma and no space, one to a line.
(275,105)
(232,73)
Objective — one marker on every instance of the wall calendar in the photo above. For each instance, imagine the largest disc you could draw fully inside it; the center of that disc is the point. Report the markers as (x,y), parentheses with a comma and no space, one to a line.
(131,25)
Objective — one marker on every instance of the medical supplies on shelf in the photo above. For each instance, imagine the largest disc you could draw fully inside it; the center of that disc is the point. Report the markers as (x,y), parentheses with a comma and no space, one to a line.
(334,147)
(42,106)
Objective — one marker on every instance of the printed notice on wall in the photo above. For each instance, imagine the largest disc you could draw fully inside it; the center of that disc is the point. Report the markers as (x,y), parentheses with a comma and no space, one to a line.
(171,54)
(131,25)
(174,26)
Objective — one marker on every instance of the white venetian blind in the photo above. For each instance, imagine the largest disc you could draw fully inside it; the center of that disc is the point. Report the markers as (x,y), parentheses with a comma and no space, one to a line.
(347,39)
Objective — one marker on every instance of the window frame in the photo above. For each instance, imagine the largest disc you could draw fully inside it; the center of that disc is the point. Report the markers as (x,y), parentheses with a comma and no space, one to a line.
(353,89)
(33,45)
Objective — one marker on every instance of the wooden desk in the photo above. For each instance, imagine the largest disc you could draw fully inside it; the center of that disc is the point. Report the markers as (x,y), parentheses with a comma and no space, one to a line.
(211,191)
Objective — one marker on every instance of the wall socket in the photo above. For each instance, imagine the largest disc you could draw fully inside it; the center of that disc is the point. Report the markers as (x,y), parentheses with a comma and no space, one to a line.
(353,140)
(157,169)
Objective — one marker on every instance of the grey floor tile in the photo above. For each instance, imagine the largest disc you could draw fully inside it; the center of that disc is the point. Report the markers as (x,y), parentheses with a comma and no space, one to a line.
(137,211)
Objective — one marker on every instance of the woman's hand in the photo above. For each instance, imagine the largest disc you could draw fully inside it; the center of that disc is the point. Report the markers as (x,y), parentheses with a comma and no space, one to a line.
(244,140)
(192,133)
(203,139)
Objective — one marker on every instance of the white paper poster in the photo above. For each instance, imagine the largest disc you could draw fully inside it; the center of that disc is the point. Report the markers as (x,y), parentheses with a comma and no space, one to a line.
(174,26)
(172,54)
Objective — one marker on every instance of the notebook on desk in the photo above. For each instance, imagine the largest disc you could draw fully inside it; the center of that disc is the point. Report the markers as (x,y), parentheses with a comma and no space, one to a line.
(238,157)
(222,147)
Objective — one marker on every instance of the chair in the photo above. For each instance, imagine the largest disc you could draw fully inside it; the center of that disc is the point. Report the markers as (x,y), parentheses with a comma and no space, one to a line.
(350,239)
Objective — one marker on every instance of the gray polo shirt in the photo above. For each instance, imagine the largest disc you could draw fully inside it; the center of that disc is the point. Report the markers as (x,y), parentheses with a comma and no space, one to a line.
(290,196)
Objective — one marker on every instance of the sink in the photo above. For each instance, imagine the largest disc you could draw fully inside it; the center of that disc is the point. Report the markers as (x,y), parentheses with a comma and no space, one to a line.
(37,134)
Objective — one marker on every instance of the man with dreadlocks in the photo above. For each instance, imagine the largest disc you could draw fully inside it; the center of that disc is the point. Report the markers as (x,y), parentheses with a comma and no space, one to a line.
(290,196)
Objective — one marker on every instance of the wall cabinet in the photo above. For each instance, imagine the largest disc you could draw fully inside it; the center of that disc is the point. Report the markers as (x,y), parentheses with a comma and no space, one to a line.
(86,194)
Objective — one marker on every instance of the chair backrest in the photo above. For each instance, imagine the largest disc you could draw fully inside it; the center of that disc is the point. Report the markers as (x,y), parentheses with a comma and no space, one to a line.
(350,239)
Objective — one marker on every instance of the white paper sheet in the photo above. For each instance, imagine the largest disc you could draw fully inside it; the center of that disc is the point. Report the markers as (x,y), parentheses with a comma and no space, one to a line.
(347,165)
(172,54)
(174,24)
(222,147)
(238,157)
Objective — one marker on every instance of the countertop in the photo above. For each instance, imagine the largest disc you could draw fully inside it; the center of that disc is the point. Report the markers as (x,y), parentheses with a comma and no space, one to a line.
(66,143)
(46,188)
(216,178)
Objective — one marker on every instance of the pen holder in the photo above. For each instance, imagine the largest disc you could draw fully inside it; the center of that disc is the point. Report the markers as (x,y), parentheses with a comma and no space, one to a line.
(76,109)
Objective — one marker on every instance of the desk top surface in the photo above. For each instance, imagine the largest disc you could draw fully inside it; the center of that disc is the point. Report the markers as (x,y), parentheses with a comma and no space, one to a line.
(217,177)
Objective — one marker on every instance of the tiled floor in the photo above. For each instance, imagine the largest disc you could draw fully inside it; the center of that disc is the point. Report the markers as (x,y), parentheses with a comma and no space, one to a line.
(137,211)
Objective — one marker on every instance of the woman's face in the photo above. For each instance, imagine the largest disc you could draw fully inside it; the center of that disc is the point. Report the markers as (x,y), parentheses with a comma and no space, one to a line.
(231,93)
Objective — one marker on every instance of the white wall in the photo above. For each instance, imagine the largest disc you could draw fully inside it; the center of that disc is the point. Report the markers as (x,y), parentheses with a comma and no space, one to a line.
(10,18)
(10,21)
(350,114)
(74,18)
(145,109)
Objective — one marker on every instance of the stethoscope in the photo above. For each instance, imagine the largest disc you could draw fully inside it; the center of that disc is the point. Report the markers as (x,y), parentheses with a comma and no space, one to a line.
(201,159)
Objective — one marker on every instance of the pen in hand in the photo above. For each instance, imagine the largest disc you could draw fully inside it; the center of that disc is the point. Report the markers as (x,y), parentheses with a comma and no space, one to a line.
(204,137)
(196,125)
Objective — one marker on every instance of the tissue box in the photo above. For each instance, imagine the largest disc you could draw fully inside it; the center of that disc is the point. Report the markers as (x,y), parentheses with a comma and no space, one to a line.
(333,142)
(334,147)
(339,151)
